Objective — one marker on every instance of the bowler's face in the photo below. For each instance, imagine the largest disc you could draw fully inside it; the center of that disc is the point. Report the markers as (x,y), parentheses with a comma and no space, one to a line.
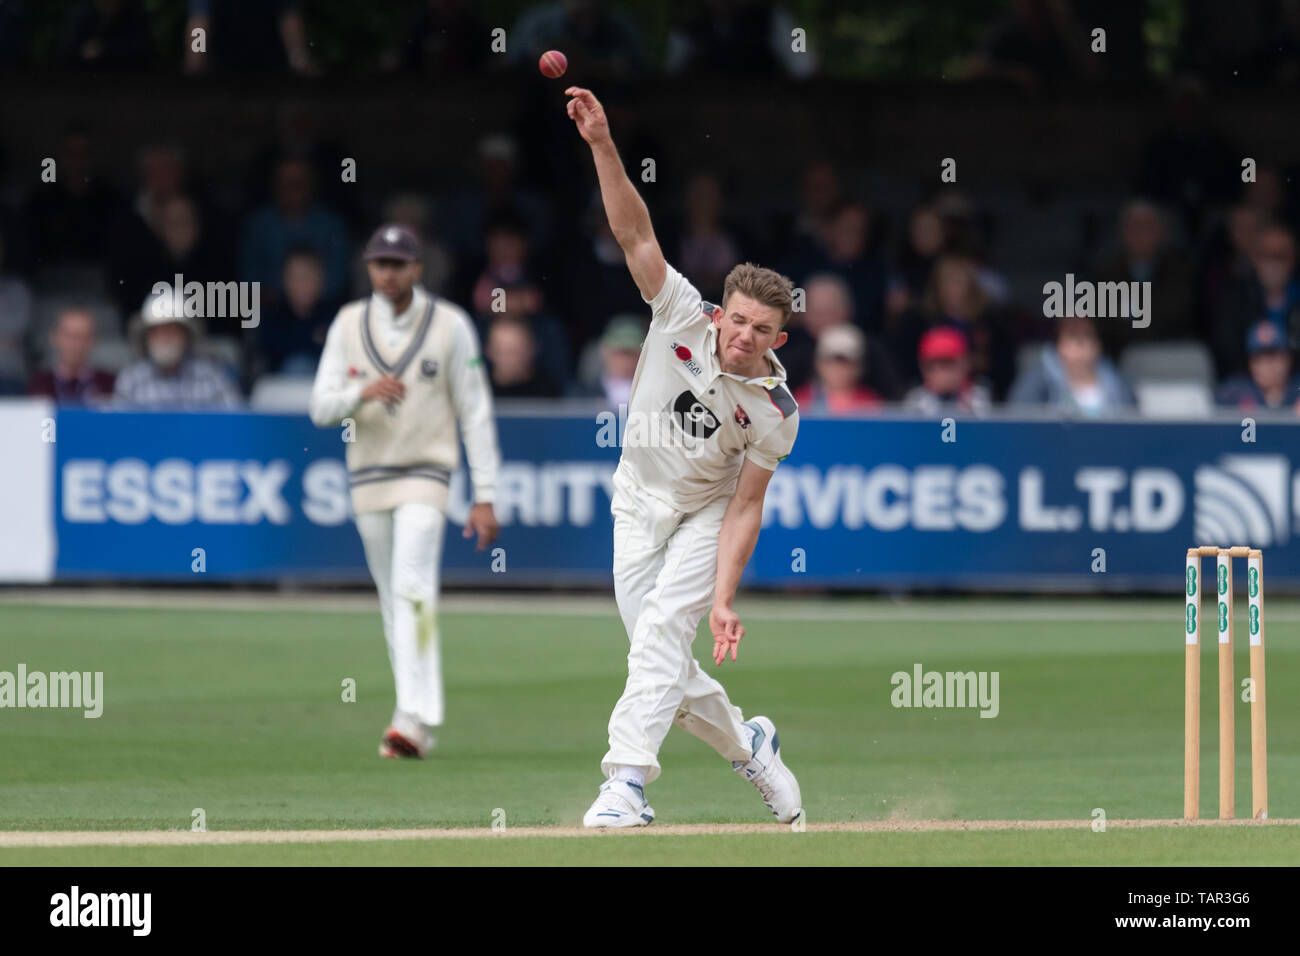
(746,330)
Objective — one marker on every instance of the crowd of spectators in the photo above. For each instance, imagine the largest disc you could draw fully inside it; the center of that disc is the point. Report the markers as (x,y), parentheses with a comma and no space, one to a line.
(933,306)
(916,310)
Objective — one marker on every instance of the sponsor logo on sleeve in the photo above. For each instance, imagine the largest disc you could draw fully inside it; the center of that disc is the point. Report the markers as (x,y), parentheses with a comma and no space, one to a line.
(684,354)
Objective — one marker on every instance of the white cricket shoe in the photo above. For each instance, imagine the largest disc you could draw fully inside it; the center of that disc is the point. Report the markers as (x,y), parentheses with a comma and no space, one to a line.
(620,803)
(397,745)
(406,737)
(766,771)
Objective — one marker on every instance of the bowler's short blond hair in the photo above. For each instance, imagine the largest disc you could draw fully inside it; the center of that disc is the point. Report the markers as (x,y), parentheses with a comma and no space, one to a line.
(762,285)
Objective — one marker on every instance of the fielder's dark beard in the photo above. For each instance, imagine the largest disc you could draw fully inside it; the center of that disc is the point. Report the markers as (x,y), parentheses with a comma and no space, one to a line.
(399,304)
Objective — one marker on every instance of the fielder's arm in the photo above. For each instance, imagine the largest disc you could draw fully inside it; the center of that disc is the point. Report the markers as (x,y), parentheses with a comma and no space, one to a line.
(629,219)
(472,397)
(334,396)
(736,540)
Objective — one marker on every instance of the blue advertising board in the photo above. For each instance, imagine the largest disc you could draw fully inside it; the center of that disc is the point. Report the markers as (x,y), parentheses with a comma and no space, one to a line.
(881,503)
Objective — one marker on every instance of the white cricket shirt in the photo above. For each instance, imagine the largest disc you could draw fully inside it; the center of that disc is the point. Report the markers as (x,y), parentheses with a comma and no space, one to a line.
(690,426)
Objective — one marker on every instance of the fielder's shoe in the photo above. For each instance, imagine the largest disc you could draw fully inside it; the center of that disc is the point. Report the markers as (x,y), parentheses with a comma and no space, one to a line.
(766,771)
(620,803)
(397,744)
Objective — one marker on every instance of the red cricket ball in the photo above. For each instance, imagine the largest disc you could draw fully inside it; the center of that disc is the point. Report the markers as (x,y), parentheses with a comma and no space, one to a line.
(553,63)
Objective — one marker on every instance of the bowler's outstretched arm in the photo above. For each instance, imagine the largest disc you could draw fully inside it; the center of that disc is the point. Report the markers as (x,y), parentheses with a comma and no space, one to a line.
(629,219)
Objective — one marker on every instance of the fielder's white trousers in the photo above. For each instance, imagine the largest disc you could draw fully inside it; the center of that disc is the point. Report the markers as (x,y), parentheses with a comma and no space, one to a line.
(403,550)
(665,565)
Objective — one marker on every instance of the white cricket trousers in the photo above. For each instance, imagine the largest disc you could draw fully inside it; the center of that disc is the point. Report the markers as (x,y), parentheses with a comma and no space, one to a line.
(403,550)
(665,565)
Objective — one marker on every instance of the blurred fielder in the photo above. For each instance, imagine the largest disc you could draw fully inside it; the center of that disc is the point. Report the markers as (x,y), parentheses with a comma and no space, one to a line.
(687,507)
(405,367)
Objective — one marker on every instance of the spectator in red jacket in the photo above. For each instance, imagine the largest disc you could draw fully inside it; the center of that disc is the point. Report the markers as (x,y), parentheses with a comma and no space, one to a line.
(71,379)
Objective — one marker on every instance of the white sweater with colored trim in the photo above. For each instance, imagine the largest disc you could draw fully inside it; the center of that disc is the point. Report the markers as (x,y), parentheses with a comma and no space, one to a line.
(408,454)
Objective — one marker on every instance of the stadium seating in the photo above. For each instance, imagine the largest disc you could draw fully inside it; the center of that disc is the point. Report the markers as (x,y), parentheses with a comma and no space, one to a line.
(1170,379)
(1186,361)
(281,393)
(1173,399)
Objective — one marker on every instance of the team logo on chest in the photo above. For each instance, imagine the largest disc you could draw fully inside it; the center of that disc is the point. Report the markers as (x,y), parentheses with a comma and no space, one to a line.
(741,418)
(429,368)
(684,354)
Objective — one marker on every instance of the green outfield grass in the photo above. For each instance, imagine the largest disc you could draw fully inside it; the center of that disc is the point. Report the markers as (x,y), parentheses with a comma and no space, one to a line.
(239,712)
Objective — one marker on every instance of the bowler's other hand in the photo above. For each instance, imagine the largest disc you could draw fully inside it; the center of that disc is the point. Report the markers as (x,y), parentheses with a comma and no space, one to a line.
(727,632)
(482,522)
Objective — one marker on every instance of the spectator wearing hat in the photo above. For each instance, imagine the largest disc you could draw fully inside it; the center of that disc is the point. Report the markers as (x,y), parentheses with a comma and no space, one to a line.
(828,302)
(840,361)
(620,352)
(1072,376)
(71,379)
(946,384)
(957,297)
(1270,383)
(170,376)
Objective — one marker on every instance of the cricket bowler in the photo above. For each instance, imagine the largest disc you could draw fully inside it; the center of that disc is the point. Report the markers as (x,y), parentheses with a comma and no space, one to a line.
(404,367)
(687,511)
